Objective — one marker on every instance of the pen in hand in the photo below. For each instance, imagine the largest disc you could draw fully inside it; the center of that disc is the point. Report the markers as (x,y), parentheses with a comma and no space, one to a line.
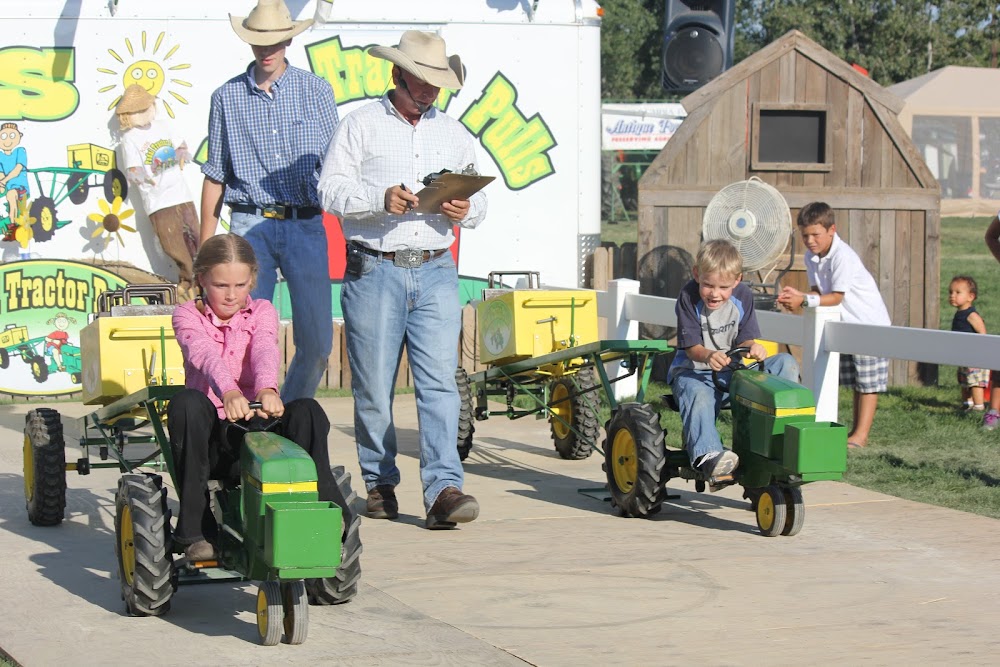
(402,186)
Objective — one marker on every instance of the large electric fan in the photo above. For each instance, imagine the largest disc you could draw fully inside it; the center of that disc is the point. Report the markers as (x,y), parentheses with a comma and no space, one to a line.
(754,217)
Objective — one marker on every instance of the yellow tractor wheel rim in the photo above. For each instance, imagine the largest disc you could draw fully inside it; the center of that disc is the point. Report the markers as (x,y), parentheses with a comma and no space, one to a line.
(624,460)
(562,411)
(765,511)
(29,469)
(262,620)
(36,368)
(127,545)
(46,219)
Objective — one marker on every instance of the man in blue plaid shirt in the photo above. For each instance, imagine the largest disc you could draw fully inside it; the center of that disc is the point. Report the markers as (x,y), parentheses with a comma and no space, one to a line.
(268,131)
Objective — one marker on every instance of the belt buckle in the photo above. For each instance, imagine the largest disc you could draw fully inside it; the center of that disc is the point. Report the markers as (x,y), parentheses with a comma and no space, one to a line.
(409,258)
(277,212)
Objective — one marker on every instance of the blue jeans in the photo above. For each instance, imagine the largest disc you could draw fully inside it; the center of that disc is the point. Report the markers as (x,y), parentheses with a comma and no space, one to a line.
(700,401)
(298,248)
(384,306)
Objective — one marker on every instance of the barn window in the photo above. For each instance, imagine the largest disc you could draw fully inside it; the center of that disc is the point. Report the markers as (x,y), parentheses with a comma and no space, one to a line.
(790,137)
(945,142)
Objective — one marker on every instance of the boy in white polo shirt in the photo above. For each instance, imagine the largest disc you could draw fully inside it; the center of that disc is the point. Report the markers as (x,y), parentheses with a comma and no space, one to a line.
(838,277)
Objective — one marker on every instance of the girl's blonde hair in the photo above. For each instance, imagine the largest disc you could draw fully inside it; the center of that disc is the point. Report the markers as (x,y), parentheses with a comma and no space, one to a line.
(225,249)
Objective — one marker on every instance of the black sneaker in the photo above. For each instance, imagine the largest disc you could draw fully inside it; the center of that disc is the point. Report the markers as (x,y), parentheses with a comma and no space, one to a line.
(382,503)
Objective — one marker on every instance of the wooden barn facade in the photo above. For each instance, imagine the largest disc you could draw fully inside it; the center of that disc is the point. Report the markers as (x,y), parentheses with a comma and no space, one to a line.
(803,120)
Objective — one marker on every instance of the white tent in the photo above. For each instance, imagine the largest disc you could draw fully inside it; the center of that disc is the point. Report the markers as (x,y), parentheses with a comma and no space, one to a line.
(953,117)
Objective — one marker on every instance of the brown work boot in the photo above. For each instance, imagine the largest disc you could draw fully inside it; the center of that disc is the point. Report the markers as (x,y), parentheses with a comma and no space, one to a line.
(382,503)
(200,550)
(452,507)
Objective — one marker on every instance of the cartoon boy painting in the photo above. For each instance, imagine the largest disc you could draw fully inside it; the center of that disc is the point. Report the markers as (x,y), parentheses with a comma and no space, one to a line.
(55,340)
(13,168)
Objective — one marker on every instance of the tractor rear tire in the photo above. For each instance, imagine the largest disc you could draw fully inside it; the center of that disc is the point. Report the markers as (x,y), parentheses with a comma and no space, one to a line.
(796,511)
(466,417)
(343,586)
(635,460)
(270,615)
(295,604)
(39,369)
(44,467)
(142,545)
(573,422)
(43,210)
(771,511)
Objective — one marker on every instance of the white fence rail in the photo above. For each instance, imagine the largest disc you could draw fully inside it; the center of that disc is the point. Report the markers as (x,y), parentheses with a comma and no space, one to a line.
(819,331)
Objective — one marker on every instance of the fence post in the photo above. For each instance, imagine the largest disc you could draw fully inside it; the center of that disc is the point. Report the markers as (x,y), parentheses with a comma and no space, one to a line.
(820,367)
(620,328)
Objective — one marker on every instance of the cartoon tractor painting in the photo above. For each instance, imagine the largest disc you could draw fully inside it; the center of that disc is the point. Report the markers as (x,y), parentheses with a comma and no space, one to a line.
(90,167)
(270,525)
(45,355)
(542,346)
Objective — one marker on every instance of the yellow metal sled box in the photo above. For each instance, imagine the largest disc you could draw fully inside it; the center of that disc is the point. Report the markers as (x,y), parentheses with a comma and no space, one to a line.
(90,156)
(519,324)
(123,354)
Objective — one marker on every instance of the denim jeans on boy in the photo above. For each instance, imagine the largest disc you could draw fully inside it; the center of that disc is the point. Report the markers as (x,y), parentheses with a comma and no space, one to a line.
(700,402)
(383,306)
(298,248)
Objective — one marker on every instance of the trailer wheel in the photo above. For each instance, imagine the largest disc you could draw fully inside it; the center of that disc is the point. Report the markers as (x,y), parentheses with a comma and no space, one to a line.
(796,510)
(635,460)
(78,188)
(142,545)
(466,417)
(4,357)
(26,354)
(270,615)
(343,585)
(44,467)
(115,185)
(771,511)
(43,210)
(573,422)
(39,369)
(296,611)
(74,378)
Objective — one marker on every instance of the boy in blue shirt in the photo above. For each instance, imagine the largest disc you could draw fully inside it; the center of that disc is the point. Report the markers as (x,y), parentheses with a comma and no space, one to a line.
(715,313)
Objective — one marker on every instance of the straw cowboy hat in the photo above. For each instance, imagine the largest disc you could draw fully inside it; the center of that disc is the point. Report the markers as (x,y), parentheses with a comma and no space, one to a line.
(268,23)
(136,98)
(422,55)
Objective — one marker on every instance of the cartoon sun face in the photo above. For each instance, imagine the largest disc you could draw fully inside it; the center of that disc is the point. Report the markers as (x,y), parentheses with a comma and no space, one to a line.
(153,74)
(110,219)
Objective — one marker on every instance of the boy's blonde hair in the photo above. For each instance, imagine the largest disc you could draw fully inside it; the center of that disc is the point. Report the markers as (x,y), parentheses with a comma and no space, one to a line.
(816,213)
(719,256)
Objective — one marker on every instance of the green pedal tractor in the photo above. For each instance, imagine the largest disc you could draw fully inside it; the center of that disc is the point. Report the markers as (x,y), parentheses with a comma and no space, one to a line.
(269,524)
(542,347)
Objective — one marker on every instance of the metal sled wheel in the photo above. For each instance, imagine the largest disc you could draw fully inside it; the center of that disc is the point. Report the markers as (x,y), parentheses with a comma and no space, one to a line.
(44,467)
(573,422)
(142,545)
(635,458)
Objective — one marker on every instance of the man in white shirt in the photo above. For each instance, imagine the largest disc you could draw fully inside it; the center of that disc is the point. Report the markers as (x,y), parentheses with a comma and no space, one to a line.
(401,283)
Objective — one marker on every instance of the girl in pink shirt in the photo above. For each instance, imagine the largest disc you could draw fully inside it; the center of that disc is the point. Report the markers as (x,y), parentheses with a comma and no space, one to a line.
(230,347)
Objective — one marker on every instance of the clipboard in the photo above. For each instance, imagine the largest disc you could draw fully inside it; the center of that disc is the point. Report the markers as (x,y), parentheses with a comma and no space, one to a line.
(447,187)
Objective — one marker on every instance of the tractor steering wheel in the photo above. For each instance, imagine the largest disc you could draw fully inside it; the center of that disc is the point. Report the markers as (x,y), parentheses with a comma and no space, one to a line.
(256,424)
(735,364)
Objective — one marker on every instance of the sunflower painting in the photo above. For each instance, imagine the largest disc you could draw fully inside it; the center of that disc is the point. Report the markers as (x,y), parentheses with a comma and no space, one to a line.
(110,219)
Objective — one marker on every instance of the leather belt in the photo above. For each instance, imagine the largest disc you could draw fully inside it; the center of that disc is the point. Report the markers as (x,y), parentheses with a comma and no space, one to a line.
(408,257)
(278,211)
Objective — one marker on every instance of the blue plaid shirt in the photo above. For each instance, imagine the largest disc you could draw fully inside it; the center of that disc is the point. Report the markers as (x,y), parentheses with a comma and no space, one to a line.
(269,150)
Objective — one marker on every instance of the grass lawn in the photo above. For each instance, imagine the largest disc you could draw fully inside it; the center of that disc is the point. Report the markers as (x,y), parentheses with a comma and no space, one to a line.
(921,448)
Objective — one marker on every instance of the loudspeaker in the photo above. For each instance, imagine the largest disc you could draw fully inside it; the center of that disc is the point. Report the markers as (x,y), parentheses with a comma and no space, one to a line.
(697,42)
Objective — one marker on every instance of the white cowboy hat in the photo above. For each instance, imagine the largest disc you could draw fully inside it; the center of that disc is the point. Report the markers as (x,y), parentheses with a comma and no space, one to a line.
(268,23)
(422,55)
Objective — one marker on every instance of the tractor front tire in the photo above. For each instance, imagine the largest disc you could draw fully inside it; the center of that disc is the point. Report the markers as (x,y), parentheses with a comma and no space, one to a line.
(635,460)
(573,422)
(295,604)
(142,545)
(795,509)
(78,188)
(39,369)
(466,416)
(270,615)
(771,511)
(44,467)
(343,585)
(4,358)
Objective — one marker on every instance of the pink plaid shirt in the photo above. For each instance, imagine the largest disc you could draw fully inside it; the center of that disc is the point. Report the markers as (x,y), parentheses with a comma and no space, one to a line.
(240,354)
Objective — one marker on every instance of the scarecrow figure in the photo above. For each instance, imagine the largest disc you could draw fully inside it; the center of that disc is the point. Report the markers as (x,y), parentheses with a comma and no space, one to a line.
(153,157)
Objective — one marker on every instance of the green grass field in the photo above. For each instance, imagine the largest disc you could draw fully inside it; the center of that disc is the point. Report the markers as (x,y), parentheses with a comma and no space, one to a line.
(921,448)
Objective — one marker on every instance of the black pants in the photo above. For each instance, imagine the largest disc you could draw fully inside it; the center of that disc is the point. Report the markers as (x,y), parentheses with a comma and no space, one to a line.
(202,452)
